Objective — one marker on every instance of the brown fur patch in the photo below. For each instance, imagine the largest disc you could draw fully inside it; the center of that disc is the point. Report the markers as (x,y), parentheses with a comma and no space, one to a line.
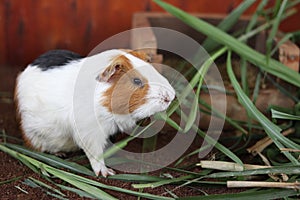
(123,97)
(139,54)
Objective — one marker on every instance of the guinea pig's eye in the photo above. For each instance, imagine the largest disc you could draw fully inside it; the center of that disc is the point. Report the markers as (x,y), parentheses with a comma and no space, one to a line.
(138,82)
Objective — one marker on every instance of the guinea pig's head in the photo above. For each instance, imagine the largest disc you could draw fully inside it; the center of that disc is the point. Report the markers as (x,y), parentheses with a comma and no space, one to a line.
(136,88)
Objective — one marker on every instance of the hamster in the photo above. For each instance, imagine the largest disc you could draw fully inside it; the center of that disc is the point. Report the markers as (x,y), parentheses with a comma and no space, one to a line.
(127,89)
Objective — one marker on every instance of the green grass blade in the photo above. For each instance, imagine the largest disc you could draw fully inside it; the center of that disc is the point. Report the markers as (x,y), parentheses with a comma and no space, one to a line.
(121,144)
(256,88)
(292,169)
(197,151)
(244,78)
(215,143)
(211,141)
(52,160)
(263,194)
(220,147)
(82,183)
(163,182)
(281,115)
(116,160)
(227,23)
(254,17)
(195,106)
(90,182)
(95,192)
(92,190)
(168,120)
(10,180)
(273,67)
(46,186)
(281,7)
(221,115)
(273,131)
(193,113)
(136,178)
(79,192)
(76,191)
(282,40)
(283,90)
(16,155)
(195,80)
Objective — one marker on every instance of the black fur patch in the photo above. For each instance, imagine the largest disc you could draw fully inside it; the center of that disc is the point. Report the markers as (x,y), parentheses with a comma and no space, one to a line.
(54,59)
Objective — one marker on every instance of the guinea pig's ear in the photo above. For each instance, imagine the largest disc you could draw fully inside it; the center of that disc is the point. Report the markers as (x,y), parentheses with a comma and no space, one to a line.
(106,75)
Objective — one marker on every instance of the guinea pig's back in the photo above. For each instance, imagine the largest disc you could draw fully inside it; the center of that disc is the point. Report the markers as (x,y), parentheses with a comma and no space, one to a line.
(42,86)
(44,102)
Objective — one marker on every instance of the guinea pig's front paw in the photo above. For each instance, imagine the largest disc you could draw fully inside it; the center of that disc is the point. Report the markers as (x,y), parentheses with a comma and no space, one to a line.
(107,171)
(99,167)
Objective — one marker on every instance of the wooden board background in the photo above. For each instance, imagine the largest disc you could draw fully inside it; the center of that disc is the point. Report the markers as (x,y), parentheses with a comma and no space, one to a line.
(31,27)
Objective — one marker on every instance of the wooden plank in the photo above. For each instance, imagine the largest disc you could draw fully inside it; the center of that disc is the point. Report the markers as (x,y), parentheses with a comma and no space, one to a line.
(3,8)
(143,38)
(32,27)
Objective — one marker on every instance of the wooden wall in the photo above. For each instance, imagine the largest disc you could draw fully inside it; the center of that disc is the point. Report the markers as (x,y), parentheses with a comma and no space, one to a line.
(31,27)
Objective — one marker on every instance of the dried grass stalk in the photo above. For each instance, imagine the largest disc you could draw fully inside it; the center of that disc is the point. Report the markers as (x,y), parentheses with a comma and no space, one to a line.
(290,150)
(239,184)
(228,166)
(265,142)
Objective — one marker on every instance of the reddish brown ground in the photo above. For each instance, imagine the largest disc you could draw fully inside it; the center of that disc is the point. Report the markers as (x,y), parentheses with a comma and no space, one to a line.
(11,168)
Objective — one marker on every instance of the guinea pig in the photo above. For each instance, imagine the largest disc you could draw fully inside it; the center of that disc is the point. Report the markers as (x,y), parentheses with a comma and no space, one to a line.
(128,89)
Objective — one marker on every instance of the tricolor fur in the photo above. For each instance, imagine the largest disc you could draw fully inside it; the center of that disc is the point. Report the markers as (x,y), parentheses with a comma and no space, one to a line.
(128,88)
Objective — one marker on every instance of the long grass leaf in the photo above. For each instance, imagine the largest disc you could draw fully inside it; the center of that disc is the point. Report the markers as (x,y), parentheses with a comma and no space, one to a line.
(121,144)
(222,116)
(136,178)
(256,88)
(46,186)
(95,192)
(255,16)
(10,180)
(281,7)
(250,26)
(90,182)
(220,147)
(52,160)
(215,143)
(281,115)
(163,182)
(115,160)
(92,190)
(282,40)
(227,23)
(197,151)
(193,113)
(273,67)
(292,169)
(264,194)
(273,131)
(82,183)
(79,192)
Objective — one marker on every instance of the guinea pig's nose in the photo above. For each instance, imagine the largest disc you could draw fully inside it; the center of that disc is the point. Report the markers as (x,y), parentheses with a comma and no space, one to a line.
(167,99)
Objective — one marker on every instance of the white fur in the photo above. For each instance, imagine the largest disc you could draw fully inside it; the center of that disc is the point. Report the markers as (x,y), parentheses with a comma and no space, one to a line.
(55,119)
